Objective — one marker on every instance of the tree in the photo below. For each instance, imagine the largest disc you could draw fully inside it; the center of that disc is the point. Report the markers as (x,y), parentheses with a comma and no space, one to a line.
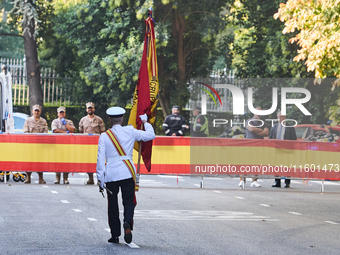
(318,36)
(99,48)
(11,43)
(187,45)
(101,44)
(33,15)
(26,12)
(261,50)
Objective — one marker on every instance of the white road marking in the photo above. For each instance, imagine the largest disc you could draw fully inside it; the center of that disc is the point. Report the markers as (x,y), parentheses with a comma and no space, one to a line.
(91,219)
(133,245)
(65,201)
(153,184)
(295,213)
(296,182)
(217,191)
(169,176)
(54,192)
(74,180)
(77,210)
(108,230)
(265,205)
(327,183)
(332,222)
(239,197)
(45,186)
(199,215)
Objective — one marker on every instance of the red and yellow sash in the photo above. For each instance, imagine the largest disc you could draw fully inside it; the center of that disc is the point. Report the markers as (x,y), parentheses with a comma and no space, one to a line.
(121,152)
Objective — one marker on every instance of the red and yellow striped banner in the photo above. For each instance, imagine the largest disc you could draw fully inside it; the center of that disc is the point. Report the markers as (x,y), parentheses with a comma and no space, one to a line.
(48,153)
(265,157)
(174,155)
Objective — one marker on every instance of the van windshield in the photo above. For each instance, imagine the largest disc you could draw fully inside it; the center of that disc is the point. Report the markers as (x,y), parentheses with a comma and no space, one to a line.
(300,132)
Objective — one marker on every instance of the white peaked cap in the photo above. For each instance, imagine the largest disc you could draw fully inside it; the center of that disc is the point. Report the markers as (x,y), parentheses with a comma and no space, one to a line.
(115,111)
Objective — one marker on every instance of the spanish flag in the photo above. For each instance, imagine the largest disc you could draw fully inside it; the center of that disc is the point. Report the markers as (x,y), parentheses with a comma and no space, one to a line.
(145,96)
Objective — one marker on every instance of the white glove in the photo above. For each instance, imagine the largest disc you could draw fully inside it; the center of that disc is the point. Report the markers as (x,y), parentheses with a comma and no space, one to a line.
(143,117)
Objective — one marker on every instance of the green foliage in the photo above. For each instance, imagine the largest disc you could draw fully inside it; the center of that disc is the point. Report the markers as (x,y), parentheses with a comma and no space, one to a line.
(260,50)
(316,27)
(99,48)
(10,46)
(224,41)
(322,102)
(187,31)
(99,45)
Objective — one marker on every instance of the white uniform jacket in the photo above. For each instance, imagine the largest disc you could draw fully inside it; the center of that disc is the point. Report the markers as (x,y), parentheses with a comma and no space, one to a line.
(115,169)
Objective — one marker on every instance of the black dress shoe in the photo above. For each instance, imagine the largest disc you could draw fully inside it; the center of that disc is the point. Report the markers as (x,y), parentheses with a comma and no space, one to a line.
(127,234)
(113,240)
(287,186)
(276,186)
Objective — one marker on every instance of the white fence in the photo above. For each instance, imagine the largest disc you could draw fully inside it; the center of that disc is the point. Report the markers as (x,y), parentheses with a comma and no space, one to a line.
(55,91)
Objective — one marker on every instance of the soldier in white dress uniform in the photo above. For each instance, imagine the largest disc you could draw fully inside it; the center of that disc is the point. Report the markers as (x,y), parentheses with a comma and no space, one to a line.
(115,147)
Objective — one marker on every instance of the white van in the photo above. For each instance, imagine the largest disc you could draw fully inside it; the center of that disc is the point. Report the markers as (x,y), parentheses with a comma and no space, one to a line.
(6,104)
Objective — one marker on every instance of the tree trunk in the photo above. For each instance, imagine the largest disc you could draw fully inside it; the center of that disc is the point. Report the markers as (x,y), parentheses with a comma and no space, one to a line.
(32,64)
(164,102)
(178,28)
(164,95)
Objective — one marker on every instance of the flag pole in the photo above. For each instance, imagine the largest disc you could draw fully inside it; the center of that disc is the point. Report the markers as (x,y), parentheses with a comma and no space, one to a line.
(138,165)
(139,156)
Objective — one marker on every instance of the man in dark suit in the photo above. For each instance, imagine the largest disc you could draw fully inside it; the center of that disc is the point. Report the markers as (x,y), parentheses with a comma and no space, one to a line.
(281,132)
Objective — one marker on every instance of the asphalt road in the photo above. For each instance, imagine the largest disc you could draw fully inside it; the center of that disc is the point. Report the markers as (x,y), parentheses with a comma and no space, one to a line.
(173,216)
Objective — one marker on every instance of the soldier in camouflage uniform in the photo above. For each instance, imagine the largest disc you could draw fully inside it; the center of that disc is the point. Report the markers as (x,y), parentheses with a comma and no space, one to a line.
(91,124)
(62,125)
(35,124)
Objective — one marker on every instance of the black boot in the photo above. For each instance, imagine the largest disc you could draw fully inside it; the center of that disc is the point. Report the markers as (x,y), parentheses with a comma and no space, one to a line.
(277,183)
